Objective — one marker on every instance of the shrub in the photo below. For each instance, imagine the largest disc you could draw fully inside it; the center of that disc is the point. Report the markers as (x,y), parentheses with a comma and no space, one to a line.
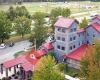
(63,67)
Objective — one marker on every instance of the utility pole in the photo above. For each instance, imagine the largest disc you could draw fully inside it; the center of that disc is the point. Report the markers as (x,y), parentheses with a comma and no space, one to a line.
(35,43)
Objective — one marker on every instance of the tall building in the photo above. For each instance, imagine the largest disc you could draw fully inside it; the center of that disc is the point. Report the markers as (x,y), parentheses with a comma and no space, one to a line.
(72,42)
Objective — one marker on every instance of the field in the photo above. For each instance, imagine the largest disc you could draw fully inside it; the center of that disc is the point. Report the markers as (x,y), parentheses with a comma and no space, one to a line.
(75,7)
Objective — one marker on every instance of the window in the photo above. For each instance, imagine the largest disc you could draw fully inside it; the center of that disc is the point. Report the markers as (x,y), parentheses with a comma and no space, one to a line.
(70,48)
(58,38)
(63,39)
(63,30)
(74,29)
(71,30)
(87,34)
(70,39)
(74,37)
(79,43)
(93,35)
(74,46)
(59,29)
(58,46)
(63,48)
(79,35)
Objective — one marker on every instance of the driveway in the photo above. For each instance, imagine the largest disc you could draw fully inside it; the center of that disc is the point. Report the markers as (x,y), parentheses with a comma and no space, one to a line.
(7,53)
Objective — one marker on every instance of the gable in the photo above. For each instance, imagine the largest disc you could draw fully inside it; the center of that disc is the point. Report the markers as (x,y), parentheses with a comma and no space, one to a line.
(65,22)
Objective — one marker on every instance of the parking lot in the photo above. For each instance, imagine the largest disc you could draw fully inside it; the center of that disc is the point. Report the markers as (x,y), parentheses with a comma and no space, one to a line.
(8,52)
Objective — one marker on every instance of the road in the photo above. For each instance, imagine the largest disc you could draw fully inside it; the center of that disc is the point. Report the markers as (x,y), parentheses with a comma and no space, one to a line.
(82,15)
(7,53)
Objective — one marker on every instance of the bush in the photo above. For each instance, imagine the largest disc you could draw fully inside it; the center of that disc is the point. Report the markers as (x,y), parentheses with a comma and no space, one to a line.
(63,67)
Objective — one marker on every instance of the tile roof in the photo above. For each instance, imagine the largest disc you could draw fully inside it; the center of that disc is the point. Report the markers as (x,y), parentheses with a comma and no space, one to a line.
(78,53)
(48,45)
(96,17)
(27,66)
(18,60)
(64,22)
(96,26)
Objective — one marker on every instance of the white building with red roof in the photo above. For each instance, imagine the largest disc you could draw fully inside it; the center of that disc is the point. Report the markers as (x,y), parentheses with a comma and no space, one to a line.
(71,42)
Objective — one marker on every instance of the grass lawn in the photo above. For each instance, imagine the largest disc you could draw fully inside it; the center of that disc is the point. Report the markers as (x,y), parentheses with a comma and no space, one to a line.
(75,7)
(16,38)
(18,53)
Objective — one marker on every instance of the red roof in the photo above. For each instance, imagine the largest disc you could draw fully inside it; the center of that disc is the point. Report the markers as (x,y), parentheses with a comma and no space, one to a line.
(27,66)
(41,52)
(81,30)
(13,62)
(30,59)
(64,22)
(98,17)
(96,26)
(48,45)
(78,53)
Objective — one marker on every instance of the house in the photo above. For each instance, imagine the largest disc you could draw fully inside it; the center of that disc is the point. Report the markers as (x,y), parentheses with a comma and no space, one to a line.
(25,64)
(71,42)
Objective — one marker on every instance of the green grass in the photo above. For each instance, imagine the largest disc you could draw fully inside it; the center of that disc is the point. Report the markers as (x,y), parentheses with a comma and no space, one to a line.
(47,7)
(72,72)
(17,38)
(19,53)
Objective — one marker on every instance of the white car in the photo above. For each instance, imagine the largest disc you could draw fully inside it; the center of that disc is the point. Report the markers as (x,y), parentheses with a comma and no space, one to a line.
(2,46)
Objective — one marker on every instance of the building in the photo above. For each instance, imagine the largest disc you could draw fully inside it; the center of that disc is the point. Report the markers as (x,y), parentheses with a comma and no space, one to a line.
(71,42)
(25,64)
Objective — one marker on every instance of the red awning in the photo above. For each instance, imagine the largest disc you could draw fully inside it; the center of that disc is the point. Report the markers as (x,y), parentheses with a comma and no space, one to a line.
(77,54)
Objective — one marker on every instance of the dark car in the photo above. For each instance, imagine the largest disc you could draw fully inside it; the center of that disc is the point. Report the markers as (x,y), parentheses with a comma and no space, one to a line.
(11,44)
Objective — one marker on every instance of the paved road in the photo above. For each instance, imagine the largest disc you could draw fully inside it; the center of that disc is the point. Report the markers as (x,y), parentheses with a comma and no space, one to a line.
(7,53)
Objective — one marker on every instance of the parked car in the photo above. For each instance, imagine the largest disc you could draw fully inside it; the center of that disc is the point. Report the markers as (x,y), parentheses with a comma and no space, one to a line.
(2,46)
(11,44)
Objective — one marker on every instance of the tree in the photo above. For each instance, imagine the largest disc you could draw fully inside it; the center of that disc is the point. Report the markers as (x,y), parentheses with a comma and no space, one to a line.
(84,23)
(90,64)
(47,70)
(39,30)
(5,27)
(56,12)
(22,11)
(66,12)
(22,25)
(11,13)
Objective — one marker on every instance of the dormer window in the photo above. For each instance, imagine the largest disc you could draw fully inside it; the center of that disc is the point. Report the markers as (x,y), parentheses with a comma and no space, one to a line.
(32,56)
